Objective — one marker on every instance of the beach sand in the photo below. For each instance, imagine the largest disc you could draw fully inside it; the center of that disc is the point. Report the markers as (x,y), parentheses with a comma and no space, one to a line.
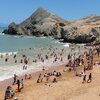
(68,87)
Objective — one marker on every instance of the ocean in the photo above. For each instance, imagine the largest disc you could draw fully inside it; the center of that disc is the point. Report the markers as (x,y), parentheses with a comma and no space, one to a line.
(30,46)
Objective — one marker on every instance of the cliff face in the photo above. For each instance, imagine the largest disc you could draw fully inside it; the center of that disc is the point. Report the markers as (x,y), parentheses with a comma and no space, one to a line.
(44,23)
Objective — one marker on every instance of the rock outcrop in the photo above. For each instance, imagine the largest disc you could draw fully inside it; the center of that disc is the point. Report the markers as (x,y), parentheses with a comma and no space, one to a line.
(44,23)
(83,31)
(40,23)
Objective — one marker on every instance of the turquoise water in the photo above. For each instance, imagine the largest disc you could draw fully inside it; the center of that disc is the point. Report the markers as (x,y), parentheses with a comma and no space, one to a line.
(11,43)
(14,43)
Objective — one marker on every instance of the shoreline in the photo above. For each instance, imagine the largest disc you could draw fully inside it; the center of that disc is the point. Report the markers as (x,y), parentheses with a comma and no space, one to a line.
(9,81)
(32,68)
(41,64)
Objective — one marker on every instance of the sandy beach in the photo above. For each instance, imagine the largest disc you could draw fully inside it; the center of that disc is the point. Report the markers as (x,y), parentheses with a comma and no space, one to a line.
(67,87)
(49,50)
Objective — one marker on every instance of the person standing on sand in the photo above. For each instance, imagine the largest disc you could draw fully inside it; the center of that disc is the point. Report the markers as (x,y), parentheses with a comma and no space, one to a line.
(18,84)
(84,79)
(15,78)
(90,78)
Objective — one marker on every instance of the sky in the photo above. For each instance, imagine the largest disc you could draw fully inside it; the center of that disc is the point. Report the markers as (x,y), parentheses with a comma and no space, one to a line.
(19,10)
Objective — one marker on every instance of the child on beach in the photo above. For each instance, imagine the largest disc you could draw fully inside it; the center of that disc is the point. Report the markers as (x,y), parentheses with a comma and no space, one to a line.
(12,93)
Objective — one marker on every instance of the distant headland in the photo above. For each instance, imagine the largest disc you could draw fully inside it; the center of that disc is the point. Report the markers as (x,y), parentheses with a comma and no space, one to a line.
(44,23)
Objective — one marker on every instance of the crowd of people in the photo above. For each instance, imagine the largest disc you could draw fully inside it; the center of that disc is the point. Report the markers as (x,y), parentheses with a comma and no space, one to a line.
(51,52)
(86,60)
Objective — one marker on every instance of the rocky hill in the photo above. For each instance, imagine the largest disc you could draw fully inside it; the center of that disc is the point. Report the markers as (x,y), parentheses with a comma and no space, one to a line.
(83,31)
(44,23)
